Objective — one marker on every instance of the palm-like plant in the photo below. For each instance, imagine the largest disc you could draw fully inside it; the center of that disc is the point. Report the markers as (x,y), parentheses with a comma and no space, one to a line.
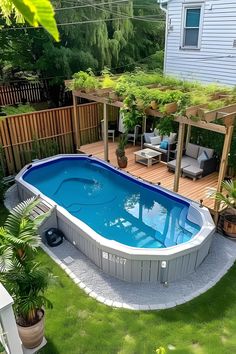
(23,277)
(120,151)
(228,199)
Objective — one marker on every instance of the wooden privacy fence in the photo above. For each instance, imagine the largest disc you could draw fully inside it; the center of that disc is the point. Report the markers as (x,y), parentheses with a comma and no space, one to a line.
(44,133)
(23,92)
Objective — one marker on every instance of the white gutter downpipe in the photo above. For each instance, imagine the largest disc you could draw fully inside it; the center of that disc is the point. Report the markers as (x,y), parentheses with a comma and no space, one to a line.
(161,3)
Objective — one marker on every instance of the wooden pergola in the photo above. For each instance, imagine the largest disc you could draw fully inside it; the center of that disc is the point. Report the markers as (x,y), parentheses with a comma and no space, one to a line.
(205,120)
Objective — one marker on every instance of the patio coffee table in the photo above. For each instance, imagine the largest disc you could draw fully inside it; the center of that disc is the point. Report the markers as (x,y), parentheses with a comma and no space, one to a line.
(147,157)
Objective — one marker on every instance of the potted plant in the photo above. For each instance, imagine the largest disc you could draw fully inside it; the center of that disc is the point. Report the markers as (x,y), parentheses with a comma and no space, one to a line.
(24,278)
(122,160)
(228,200)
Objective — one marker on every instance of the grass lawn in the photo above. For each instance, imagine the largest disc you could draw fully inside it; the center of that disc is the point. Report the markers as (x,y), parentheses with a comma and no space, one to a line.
(78,324)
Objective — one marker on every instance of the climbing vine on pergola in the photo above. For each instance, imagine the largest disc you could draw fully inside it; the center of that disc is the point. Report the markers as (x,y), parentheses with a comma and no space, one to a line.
(207,107)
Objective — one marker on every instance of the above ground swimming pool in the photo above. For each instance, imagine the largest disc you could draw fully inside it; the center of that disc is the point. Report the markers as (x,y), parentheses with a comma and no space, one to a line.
(129,228)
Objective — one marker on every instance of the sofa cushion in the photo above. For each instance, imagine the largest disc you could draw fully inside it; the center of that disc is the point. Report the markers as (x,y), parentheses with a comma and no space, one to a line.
(172,164)
(192,150)
(192,171)
(147,137)
(155,140)
(202,157)
(209,152)
(155,147)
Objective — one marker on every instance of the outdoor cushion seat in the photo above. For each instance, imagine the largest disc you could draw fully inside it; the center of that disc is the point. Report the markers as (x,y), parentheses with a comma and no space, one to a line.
(192,172)
(155,147)
(172,165)
(191,163)
(147,141)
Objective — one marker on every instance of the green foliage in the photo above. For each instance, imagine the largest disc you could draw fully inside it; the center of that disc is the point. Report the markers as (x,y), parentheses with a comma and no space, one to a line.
(230,198)
(21,108)
(84,80)
(166,125)
(35,12)
(208,139)
(131,115)
(22,276)
(2,188)
(80,324)
(2,351)
(40,149)
(122,142)
(119,44)
(2,172)
(232,154)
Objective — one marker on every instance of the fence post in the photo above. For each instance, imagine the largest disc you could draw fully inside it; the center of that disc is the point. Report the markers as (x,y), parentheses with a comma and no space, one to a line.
(8,323)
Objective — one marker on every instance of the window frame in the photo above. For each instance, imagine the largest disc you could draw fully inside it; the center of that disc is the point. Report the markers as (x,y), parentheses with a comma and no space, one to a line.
(186,7)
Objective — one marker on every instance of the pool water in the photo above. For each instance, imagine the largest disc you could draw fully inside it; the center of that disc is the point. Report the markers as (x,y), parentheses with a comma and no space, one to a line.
(113,205)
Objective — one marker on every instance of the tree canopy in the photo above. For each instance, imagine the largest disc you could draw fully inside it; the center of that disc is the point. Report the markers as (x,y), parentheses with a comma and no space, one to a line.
(119,34)
(35,12)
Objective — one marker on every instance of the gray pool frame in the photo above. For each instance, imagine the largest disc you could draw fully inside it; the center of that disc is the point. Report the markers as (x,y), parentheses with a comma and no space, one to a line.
(128,263)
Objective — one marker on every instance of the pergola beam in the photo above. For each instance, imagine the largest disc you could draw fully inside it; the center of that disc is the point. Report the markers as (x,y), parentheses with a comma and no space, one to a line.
(91,97)
(212,115)
(202,124)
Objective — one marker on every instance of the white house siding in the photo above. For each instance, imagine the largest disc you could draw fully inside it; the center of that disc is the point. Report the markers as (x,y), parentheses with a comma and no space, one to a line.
(210,63)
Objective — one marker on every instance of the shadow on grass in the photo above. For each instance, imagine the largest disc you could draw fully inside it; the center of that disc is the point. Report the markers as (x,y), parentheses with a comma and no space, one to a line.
(49,348)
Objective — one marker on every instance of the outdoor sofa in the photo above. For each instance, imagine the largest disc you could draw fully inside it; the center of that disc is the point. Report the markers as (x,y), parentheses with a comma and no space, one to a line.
(164,144)
(197,162)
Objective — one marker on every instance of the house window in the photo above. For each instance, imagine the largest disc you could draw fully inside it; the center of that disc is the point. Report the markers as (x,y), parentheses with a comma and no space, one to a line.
(191,28)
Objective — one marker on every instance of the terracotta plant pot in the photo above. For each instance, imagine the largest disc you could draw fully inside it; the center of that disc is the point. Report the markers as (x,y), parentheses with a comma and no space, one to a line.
(32,336)
(171,107)
(230,225)
(122,161)
(154,105)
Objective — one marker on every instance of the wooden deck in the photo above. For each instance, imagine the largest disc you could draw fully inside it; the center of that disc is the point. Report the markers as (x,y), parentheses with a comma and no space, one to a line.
(194,190)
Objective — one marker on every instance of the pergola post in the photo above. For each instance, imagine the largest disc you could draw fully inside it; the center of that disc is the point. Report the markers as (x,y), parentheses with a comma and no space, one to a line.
(179,156)
(223,164)
(105,133)
(188,136)
(76,124)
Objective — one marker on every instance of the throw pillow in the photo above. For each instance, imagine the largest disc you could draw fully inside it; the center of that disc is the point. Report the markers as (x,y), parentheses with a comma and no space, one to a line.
(209,152)
(147,137)
(156,132)
(164,145)
(202,157)
(156,140)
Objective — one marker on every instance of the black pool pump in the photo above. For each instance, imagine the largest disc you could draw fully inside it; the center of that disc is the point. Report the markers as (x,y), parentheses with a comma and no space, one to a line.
(54,237)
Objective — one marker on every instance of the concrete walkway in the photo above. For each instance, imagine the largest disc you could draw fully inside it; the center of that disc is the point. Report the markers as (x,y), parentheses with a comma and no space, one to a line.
(114,292)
